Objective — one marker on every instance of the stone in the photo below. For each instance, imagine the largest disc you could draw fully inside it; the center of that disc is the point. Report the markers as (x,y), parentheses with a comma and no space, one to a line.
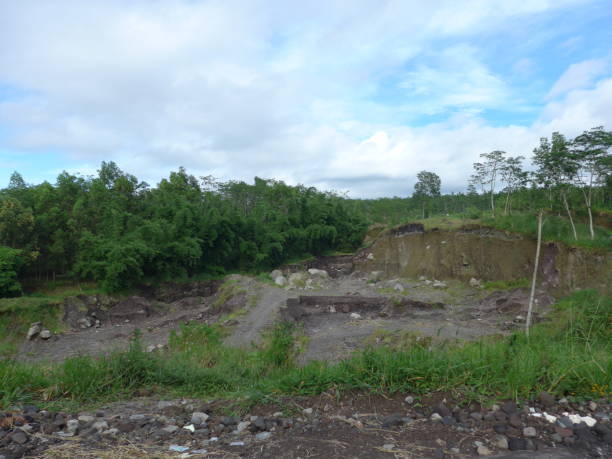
(170,429)
(435,417)
(482,450)
(198,418)
(281,281)
(229,421)
(515,420)
(72,426)
(34,330)
(259,423)
(45,334)
(19,437)
(564,432)
(100,425)
(449,421)
(517,444)
(110,432)
(388,447)
(163,404)
(442,410)
(355,316)
(84,322)
(242,426)
(398,288)
(529,432)
(395,419)
(500,441)
(509,407)
(409,400)
(439,284)
(86,418)
(307,411)
(475,283)
(546,399)
(261,436)
(476,416)
(318,273)
(592,406)
(276,273)
(563,401)
(376,276)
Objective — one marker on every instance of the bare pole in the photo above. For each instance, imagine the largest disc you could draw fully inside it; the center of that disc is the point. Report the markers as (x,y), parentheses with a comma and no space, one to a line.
(535,275)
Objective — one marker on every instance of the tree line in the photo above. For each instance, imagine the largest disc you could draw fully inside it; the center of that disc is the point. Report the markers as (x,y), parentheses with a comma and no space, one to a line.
(119,231)
(567,177)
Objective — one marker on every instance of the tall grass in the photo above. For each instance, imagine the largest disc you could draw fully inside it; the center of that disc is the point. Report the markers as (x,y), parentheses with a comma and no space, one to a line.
(571,354)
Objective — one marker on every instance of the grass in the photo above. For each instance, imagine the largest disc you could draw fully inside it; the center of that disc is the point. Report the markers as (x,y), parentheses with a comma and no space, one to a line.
(569,355)
(506,285)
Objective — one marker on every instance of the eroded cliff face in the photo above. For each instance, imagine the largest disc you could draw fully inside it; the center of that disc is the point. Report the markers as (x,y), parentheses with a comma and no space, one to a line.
(486,254)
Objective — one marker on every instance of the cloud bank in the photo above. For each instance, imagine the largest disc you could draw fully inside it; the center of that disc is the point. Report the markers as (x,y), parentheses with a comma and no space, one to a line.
(351,96)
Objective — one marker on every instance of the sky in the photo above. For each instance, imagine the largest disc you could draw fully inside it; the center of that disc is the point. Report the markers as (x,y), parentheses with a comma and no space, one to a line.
(354,96)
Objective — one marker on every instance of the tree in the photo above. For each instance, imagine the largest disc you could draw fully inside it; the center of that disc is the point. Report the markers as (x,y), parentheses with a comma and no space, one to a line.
(556,169)
(591,150)
(486,173)
(513,176)
(427,187)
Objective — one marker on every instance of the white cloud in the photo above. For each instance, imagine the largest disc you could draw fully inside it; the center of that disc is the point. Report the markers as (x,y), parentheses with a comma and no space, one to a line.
(275,89)
(579,75)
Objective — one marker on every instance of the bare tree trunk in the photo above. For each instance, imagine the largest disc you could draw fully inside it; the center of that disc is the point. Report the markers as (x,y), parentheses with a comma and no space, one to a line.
(569,214)
(535,275)
(587,200)
(507,203)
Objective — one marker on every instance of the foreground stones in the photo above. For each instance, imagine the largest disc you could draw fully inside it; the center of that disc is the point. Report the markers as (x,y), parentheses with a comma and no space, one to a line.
(189,426)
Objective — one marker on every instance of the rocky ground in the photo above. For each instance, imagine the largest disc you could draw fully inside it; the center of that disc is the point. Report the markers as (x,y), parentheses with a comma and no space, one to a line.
(326,426)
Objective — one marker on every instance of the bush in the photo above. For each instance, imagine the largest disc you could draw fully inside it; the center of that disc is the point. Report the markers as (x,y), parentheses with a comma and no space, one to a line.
(11,261)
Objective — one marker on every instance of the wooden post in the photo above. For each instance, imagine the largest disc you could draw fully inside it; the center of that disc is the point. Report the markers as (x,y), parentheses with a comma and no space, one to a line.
(535,275)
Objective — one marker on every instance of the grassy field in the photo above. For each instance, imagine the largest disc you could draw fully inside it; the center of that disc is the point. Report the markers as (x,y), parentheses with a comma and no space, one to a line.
(569,355)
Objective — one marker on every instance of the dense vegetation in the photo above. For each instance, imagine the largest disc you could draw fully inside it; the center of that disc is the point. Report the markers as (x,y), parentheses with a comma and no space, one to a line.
(118,231)
(571,355)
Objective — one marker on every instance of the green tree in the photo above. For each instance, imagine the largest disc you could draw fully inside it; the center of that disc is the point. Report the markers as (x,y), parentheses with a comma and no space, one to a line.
(487,172)
(592,151)
(426,188)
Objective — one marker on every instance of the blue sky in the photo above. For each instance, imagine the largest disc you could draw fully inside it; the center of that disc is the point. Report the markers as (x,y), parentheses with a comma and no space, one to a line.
(354,96)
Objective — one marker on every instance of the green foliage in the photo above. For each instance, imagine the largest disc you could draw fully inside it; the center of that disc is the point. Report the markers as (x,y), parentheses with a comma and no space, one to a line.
(11,261)
(119,232)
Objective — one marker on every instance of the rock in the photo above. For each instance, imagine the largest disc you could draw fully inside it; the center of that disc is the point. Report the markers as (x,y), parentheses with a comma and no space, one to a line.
(398,288)
(475,283)
(564,432)
(529,432)
(517,444)
(163,404)
(45,334)
(388,447)
(84,322)
(281,281)
(409,400)
(137,417)
(449,421)
(229,421)
(442,410)
(242,426)
(86,418)
(509,408)
(34,330)
(110,432)
(261,436)
(515,420)
(19,437)
(307,411)
(482,450)
(546,399)
(370,256)
(170,429)
(318,273)
(72,426)
(276,273)
(422,278)
(500,441)
(355,316)
(592,406)
(376,276)
(100,425)
(435,417)
(500,428)
(476,416)
(394,419)
(439,284)
(198,418)
(297,279)
(258,423)
(563,401)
